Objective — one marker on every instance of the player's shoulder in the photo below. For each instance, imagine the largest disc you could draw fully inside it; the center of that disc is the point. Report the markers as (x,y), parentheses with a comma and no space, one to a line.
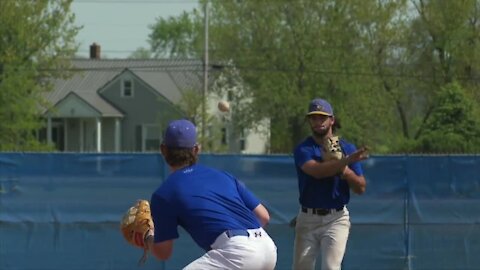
(200,168)
(213,172)
(307,142)
(347,145)
(344,140)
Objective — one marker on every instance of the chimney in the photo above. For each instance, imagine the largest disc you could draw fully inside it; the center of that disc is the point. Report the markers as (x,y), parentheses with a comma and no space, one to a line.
(94,51)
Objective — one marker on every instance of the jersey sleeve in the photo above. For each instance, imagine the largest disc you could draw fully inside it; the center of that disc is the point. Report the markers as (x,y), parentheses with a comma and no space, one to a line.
(250,200)
(164,219)
(301,155)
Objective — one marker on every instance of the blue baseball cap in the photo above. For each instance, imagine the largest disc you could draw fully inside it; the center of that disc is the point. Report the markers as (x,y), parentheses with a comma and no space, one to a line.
(180,133)
(320,106)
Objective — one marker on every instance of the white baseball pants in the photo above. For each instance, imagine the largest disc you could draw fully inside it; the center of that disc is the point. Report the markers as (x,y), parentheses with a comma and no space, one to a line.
(256,251)
(325,235)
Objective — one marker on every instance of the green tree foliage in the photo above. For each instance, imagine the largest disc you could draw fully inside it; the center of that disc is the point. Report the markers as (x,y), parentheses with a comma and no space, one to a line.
(454,126)
(37,38)
(440,44)
(177,37)
(380,63)
(141,53)
(290,52)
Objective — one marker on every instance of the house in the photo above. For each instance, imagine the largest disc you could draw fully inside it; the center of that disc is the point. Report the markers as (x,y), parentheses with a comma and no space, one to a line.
(113,105)
(122,105)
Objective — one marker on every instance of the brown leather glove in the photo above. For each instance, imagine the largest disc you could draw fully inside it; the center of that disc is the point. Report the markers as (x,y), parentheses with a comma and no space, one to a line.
(332,149)
(136,225)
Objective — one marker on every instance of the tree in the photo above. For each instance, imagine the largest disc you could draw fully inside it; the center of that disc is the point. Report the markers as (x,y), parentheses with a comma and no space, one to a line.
(141,53)
(443,46)
(380,63)
(33,49)
(453,126)
(289,53)
(177,37)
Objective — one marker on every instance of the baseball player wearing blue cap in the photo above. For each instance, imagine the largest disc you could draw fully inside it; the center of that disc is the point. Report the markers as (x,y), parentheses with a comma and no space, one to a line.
(323,222)
(218,211)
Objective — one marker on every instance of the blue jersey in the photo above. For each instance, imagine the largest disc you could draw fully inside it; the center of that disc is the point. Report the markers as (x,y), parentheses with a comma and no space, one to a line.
(331,192)
(205,202)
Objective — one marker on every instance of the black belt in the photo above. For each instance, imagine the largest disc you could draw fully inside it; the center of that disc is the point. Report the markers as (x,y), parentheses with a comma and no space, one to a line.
(321,211)
(232,233)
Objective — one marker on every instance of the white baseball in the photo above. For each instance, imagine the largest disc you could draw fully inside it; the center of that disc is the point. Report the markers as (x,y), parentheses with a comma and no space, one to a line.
(223,106)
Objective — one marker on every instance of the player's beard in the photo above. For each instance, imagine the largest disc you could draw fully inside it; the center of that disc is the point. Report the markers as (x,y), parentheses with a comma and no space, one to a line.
(320,133)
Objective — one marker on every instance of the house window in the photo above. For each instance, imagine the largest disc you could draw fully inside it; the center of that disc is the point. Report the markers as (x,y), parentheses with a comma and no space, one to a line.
(147,138)
(58,134)
(242,141)
(127,88)
(243,144)
(224,136)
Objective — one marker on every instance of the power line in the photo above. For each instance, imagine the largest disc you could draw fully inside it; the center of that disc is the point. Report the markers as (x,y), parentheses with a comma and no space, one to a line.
(179,68)
(135,2)
(110,51)
(124,1)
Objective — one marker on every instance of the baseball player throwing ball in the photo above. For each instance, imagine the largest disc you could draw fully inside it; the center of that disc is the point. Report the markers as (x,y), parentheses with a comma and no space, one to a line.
(218,211)
(328,167)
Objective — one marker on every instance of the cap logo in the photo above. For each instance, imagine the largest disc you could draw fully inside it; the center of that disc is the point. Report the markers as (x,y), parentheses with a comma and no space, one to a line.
(320,106)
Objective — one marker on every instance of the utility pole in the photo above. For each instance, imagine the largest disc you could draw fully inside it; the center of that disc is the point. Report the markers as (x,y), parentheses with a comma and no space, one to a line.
(205,76)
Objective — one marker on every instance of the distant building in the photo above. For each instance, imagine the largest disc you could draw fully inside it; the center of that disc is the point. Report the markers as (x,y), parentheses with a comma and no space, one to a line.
(122,105)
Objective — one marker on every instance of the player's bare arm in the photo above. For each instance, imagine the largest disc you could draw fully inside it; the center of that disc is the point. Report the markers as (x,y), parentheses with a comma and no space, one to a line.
(262,214)
(162,250)
(330,168)
(323,169)
(357,183)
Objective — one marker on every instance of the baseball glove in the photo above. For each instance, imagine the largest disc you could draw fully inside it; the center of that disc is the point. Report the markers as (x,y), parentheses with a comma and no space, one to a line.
(137,224)
(332,149)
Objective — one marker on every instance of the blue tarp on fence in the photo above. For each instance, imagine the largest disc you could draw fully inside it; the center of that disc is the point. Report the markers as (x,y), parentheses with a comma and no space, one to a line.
(62,210)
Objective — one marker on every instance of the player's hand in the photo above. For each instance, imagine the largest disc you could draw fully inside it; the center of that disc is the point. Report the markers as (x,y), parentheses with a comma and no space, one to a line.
(359,155)
(141,240)
(346,172)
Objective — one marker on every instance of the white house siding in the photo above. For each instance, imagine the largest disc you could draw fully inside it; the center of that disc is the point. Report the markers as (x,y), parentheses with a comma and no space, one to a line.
(256,142)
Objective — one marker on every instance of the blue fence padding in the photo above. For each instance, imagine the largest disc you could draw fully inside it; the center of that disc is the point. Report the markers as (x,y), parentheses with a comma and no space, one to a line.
(62,210)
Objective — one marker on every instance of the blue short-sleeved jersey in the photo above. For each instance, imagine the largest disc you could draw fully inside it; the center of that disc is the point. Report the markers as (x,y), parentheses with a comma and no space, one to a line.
(205,202)
(331,192)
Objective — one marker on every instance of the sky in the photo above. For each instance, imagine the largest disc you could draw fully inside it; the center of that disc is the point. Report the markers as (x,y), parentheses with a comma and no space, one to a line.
(121,26)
